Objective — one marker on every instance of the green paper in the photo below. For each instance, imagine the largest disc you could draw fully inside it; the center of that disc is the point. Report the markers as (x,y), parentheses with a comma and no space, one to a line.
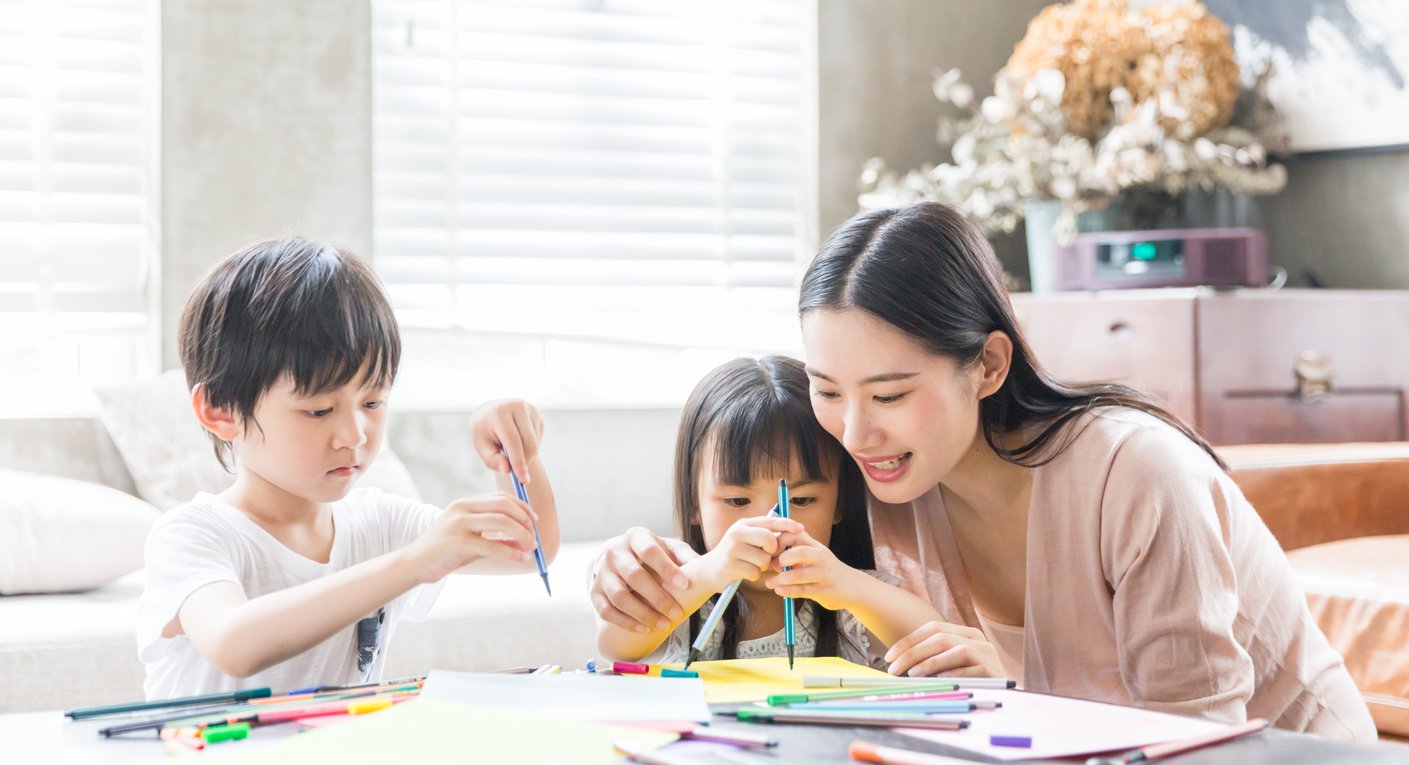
(437,731)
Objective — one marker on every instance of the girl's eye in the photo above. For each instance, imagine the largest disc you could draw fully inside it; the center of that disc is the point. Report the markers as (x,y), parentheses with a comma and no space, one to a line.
(803,501)
(888,399)
(374,404)
(827,394)
(736,501)
(319,413)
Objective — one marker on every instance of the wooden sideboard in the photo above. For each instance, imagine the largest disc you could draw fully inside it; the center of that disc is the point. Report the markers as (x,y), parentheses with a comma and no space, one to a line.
(1242,366)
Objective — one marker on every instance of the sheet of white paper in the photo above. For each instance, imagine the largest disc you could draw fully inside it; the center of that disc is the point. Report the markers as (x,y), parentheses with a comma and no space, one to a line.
(592,698)
(1061,727)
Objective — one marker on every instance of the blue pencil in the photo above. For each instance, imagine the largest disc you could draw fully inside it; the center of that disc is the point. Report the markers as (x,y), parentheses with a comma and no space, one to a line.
(789,634)
(725,598)
(537,543)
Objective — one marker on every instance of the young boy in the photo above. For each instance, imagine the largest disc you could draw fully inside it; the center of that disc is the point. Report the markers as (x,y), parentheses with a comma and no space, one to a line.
(291,578)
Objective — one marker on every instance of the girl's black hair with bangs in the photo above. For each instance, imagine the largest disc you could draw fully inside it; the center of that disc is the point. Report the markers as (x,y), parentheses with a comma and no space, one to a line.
(290,306)
(756,415)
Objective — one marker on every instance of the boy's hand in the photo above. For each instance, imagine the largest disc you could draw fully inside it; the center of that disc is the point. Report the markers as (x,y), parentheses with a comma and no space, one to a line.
(816,573)
(747,550)
(493,526)
(511,427)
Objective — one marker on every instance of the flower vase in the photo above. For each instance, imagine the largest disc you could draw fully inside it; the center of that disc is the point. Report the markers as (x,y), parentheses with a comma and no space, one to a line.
(1040,221)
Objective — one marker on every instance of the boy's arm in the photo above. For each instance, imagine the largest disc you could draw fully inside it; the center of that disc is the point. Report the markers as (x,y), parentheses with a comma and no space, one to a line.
(241,636)
(628,645)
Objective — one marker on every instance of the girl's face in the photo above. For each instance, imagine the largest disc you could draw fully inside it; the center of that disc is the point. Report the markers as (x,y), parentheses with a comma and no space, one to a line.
(907,416)
(814,503)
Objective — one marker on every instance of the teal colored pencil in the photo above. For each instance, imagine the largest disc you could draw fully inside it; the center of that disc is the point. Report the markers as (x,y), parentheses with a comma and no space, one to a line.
(789,626)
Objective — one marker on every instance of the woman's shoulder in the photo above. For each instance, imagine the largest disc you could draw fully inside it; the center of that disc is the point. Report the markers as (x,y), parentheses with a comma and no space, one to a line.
(1133,438)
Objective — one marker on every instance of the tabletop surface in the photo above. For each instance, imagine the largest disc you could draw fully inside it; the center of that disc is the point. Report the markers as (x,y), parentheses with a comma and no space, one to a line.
(50,737)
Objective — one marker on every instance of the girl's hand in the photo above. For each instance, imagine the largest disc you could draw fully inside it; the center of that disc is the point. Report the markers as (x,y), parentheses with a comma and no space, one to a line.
(493,526)
(940,648)
(747,550)
(630,579)
(508,427)
(816,574)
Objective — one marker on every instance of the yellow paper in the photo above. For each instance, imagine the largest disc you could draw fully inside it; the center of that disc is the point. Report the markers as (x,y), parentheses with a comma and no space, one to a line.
(738,680)
(438,731)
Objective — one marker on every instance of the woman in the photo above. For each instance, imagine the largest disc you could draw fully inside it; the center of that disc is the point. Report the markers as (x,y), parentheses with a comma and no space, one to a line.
(1078,537)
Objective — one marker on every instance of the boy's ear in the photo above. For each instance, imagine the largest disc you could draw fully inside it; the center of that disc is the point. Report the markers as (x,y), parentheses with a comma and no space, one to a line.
(221,422)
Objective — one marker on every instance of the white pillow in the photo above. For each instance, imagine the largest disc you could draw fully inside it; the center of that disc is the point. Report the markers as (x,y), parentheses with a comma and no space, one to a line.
(62,535)
(171,457)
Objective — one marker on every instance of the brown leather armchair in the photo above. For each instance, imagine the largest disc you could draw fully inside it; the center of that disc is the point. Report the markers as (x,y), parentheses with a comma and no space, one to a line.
(1341,511)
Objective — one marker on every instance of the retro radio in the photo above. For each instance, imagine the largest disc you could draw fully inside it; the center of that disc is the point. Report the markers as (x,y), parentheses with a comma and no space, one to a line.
(1218,257)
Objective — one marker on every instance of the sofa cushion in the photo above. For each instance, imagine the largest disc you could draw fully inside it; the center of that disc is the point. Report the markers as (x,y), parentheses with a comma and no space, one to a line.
(64,651)
(1358,591)
(171,457)
(62,535)
(1295,486)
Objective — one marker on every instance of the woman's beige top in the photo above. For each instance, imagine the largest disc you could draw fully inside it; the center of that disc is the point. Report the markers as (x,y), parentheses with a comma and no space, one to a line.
(1150,581)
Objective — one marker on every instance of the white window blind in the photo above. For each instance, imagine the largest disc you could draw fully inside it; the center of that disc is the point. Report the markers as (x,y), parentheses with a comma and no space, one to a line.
(612,171)
(74,120)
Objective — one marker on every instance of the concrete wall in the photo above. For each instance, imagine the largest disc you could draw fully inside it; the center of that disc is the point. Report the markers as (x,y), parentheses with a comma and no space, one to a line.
(877,60)
(1343,217)
(266,130)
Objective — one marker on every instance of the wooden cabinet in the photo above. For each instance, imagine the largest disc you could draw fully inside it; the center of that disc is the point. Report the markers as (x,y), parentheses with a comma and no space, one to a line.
(1243,366)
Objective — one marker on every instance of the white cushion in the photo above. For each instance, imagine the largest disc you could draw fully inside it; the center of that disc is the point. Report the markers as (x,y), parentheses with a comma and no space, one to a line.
(171,457)
(62,535)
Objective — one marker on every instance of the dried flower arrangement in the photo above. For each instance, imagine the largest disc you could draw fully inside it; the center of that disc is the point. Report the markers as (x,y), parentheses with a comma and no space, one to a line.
(1097,102)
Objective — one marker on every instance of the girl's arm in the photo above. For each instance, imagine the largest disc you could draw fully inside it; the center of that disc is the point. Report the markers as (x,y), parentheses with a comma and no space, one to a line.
(631,645)
(242,637)
(889,612)
(745,552)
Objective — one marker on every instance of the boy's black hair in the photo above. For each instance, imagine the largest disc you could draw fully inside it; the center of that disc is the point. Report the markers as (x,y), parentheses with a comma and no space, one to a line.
(290,306)
(756,417)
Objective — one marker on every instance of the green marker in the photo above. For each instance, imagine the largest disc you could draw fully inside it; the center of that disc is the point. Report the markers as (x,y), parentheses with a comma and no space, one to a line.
(678,673)
(784,699)
(217,733)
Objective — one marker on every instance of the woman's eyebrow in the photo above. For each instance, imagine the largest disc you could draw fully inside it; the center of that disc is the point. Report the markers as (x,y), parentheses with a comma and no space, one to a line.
(880,378)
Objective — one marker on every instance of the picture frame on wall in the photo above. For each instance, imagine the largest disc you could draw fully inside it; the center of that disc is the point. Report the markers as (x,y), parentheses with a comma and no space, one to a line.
(1341,68)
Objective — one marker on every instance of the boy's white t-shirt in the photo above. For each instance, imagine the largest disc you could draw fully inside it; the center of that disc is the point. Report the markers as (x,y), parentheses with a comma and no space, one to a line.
(207,540)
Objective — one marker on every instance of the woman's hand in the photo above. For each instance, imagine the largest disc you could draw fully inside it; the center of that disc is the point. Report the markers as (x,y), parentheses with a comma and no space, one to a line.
(940,648)
(816,574)
(631,577)
(507,433)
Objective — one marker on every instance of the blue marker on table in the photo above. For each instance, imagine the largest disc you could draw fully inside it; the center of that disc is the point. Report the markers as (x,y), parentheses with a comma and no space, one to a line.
(725,598)
(789,631)
(537,544)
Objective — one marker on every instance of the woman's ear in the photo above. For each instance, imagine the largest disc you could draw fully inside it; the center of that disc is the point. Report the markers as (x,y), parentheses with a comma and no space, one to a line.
(994,362)
(221,422)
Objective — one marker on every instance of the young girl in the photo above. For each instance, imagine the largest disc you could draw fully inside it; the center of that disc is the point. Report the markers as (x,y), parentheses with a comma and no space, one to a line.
(747,425)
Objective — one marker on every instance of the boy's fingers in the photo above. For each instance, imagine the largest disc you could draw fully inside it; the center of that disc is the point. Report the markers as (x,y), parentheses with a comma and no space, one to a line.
(512,444)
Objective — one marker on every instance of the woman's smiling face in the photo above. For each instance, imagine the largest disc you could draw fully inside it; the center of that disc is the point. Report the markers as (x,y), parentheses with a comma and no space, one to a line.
(907,416)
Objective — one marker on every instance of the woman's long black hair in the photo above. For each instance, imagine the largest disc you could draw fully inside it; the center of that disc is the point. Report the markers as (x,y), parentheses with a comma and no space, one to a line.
(929,272)
(756,417)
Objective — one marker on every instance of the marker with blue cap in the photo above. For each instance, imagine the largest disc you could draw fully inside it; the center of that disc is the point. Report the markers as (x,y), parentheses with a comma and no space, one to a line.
(537,543)
(789,626)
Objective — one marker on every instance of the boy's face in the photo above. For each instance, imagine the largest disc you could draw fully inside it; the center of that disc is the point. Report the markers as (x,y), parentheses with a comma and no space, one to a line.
(314,447)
